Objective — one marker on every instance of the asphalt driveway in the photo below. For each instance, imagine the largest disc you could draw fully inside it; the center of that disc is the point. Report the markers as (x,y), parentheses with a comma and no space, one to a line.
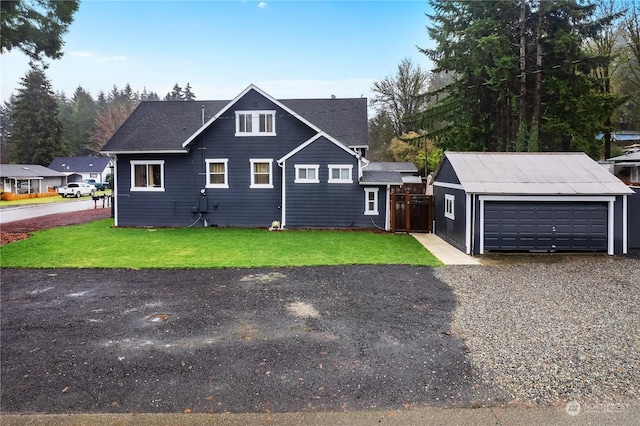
(236,340)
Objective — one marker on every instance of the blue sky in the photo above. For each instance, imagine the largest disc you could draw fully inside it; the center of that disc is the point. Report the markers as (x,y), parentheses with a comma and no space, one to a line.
(290,49)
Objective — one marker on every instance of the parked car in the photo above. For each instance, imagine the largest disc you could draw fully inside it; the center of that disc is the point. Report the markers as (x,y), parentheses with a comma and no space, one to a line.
(24,188)
(76,189)
(100,186)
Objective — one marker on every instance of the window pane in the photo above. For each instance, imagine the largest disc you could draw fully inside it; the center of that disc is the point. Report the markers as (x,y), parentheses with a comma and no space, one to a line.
(261,167)
(262,179)
(140,175)
(311,173)
(302,173)
(266,123)
(335,173)
(216,168)
(154,175)
(344,173)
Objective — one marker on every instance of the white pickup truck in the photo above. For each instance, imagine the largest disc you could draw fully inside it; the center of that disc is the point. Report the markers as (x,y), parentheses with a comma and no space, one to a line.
(76,189)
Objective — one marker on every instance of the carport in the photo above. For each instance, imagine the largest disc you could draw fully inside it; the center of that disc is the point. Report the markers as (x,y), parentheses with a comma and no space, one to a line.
(532,202)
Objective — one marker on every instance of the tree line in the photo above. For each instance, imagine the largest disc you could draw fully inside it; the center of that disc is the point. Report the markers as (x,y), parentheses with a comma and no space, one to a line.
(39,124)
(514,75)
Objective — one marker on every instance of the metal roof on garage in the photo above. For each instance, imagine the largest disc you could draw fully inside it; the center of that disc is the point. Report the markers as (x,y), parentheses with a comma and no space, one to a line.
(533,174)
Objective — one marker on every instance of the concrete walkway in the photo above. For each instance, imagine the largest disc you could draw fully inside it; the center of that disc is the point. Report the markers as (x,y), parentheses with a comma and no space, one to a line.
(445,252)
(598,414)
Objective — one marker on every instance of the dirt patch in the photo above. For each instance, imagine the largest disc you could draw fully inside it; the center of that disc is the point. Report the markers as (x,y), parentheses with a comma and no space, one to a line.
(21,229)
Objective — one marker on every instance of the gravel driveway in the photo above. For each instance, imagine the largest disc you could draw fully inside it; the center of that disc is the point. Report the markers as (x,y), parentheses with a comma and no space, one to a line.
(560,328)
(556,329)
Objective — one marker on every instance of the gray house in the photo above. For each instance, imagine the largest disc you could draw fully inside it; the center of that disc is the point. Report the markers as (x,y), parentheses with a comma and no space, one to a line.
(78,169)
(248,162)
(529,202)
(29,178)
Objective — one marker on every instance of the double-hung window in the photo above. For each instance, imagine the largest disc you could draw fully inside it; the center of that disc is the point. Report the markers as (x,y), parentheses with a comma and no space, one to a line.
(371,201)
(217,173)
(261,173)
(340,173)
(147,175)
(449,206)
(255,123)
(307,173)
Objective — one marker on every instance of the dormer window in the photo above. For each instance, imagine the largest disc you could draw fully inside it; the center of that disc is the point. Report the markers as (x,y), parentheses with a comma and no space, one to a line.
(255,123)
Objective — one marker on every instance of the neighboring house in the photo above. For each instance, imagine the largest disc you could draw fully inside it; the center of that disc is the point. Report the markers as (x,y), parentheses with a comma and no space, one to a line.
(78,169)
(529,202)
(247,163)
(29,178)
(626,167)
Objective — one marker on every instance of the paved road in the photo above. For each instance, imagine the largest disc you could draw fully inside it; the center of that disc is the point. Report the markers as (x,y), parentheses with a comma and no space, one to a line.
(21,212)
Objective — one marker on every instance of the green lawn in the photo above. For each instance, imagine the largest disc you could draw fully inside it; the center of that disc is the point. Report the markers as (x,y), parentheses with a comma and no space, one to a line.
(100,245)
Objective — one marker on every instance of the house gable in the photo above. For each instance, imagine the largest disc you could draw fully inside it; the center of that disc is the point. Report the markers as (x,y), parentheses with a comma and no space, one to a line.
(255,104)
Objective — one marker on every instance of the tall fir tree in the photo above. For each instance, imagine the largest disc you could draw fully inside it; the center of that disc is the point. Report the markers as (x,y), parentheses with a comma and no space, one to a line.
(37,131)
(500,51)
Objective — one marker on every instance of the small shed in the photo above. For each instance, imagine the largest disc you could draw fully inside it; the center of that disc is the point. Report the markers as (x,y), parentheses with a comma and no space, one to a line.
(534,202)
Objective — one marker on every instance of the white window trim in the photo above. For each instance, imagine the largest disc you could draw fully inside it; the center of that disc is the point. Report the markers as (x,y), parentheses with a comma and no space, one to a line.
(367,210)
(209,161)
(252,161)
(255,123)
(315,167)
(341,166)
(147,188)
(450,206)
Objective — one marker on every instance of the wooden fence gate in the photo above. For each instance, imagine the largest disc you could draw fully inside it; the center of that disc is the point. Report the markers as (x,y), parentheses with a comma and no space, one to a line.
(411,212)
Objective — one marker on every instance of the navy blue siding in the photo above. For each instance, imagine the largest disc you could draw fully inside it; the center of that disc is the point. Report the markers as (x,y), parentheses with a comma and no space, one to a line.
(450,230)
(323,204)
(335,205)
(447,173)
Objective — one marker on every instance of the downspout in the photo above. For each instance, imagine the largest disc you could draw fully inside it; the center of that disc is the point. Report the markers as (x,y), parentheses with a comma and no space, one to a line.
(114,178)
(625,229)
(283,212)
(387,215)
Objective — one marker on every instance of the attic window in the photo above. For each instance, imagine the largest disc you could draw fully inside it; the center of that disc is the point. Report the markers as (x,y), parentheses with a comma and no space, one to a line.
(255,123)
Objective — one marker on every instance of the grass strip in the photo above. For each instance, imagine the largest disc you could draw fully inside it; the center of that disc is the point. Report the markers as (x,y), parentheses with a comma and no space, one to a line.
(100,245)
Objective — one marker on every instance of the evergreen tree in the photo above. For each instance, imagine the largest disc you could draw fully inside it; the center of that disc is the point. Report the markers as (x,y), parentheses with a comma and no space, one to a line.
(6,128)
(36,26)
(188,94)
(176,94)
(80,126)
(36,137)
(500,51)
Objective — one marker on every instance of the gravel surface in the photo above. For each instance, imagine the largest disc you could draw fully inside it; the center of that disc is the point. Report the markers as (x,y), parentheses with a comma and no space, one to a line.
(557,330)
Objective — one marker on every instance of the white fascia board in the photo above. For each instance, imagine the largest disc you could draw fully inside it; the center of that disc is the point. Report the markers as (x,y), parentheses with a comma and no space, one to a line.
(236,99)
(312,140)
(552,198)
(449,185)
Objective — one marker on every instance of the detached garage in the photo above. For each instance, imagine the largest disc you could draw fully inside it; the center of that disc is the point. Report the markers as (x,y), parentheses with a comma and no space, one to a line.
(529,202)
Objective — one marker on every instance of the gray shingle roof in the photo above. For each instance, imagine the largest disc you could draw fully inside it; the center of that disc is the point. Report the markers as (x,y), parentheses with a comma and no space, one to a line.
(27,171)
(165,125)
(80,164)
(372,177)
(533,174)
(382,166)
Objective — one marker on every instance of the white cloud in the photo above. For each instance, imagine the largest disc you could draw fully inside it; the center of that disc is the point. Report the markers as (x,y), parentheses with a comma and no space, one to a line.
(81,54)
(262,5)
(111,58)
